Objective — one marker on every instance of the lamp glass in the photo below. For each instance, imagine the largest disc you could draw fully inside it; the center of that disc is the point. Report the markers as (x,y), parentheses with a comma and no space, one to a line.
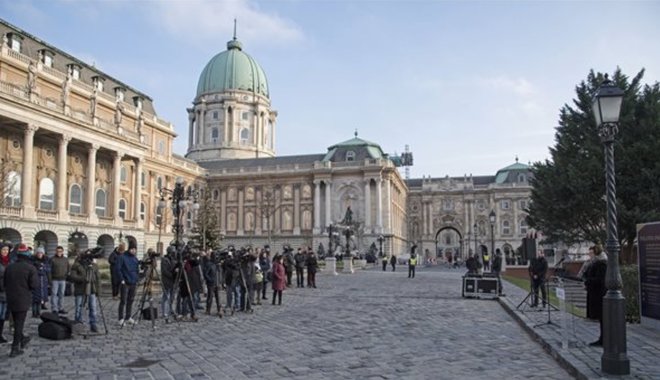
(607,103)
(491,216)
(179,180)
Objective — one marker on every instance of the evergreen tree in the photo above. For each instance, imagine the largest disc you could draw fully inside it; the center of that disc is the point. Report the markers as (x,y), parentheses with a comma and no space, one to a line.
(568,196)
(206,230)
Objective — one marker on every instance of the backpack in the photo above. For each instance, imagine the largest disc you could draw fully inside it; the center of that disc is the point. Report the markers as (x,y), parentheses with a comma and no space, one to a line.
(55,327)
(259,277)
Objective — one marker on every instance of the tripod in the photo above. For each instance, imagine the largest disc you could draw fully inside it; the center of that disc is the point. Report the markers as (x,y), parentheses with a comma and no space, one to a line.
(147,294)
(89,275)
(181,275)
(550,307)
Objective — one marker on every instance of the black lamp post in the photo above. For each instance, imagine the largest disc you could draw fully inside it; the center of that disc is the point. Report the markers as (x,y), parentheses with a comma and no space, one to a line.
(181,200)
(474,227)
(380,243)
(491,218)
(607,107)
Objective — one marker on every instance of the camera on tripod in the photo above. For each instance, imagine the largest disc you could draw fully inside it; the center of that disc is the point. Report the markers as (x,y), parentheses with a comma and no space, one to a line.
(148,260)
(87,257)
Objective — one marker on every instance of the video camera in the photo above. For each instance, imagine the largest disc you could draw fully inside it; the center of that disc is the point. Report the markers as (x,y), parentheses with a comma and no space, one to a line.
(87,257)
(148,259)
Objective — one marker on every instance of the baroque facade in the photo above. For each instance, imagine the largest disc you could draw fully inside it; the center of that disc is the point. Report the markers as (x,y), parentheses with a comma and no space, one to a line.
(84,156)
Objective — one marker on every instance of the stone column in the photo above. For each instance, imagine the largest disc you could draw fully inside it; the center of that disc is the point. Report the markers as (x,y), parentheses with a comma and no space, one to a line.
(241,213)
(429,216)
(317,206)
(91,184)
(388,206)
(379,204)
(296,210)
(328,205)
(200,128)
(116,186)
(27,180)
(191,128)
(137,190)
(367,205)
(62,177)
(225,125)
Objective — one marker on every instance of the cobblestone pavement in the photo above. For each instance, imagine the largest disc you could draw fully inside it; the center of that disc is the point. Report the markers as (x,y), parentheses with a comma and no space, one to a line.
(368,325)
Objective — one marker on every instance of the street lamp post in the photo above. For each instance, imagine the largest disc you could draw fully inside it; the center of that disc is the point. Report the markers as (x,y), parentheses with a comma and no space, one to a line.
(380,243)
(474,227)
(491,218)
(607,107)
(181,199)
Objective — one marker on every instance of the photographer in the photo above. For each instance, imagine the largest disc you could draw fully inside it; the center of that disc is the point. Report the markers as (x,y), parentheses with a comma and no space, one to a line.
(115,277)
(86,286)
(167,276)
(300,259)
(264,264)
(230,274)
(289,263)
(60,268)
(210,270)
(128,268)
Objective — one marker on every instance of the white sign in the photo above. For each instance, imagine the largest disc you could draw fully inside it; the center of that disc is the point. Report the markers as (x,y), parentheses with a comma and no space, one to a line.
(560,293)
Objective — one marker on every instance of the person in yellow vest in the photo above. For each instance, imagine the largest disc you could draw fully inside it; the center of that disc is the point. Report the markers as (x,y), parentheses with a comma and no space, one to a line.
(412,263)
(385,261)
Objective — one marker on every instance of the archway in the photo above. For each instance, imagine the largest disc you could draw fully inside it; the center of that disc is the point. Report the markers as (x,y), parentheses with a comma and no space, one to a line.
(77,243)
(448,239)
(132,242)
(46,239)
(107,242)
(483,249)
(10,235)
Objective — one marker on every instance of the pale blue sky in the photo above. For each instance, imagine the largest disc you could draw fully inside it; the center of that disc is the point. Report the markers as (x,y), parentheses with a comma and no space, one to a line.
(468,85)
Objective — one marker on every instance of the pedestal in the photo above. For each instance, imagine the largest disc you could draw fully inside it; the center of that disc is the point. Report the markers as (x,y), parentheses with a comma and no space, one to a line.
(331,265)
(348,265)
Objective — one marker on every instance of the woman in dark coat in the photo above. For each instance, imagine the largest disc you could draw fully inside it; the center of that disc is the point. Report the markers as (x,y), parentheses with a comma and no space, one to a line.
(20,280)
(312,266)
(595,284)
(40,295)
(279,278)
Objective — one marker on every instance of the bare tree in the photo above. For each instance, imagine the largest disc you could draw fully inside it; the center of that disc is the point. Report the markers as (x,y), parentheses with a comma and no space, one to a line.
(268,205)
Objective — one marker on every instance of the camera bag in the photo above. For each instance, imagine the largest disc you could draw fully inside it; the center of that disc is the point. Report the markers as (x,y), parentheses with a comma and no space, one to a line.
(146,315)
(55,327)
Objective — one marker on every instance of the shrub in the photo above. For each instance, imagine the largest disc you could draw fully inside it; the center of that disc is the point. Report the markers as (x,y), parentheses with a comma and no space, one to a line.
(630,279)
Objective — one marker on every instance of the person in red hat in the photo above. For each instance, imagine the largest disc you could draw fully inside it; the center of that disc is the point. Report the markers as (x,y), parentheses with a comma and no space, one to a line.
(21,279)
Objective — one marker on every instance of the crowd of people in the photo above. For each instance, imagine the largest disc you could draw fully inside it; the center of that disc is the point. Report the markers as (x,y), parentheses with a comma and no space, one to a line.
(232,280)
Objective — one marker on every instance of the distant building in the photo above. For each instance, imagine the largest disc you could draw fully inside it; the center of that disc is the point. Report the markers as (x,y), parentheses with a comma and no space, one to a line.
(85,156)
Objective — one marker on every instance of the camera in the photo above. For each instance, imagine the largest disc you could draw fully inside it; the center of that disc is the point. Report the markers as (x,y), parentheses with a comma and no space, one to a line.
(87,257)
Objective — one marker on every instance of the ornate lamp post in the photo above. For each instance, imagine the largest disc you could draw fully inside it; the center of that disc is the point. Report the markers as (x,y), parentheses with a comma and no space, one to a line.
(181,200)
(491,219)
(607,107)
(474,227)
(380,245)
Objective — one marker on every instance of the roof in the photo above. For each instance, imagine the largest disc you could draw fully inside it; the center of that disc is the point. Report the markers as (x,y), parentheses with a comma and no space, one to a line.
(362,149)
(503,175)
(476,180)
(265,161)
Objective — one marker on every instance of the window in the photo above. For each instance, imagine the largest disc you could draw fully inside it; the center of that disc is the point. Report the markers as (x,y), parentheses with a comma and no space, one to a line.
(75,199)
(119,94)
(47,58)
(506,227)
(98,83)
(447,204)
(143,179)
(245,116)
(159,216)
(16,42)
(100,202)
(189,220)
(350,156)
(214,134)
(245,135)
(523,204)
(122,209)
(47,194)
(161,147)
(137,102)
(216,194)
(522,177)
(74,70)
(523,227)
(143,210)
(12,189)
(123,174)
(505,204)
(159,183)
(216,115)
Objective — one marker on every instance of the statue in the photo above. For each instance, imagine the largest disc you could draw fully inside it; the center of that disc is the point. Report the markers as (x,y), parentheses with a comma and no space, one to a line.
(348,217)
(119,113)
(139,124)
(32,77)
(5,40)
(66,89)
(92,103)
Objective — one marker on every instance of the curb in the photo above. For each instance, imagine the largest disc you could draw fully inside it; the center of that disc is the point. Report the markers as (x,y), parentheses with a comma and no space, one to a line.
(556,354)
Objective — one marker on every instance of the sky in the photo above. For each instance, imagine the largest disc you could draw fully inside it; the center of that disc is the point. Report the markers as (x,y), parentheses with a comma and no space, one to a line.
(467,85)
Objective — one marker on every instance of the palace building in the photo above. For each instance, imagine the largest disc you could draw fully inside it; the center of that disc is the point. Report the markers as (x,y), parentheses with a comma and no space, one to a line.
(84,157)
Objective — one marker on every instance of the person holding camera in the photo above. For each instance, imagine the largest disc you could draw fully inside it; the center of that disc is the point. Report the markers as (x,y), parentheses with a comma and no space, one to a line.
(20,280)
(86,287)
(128,269)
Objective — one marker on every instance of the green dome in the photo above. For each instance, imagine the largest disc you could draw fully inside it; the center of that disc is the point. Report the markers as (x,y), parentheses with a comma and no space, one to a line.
(232,70)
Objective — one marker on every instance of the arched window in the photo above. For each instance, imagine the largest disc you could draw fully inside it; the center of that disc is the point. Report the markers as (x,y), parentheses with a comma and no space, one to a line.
(216,194)
(123,174)
(47,194)
(100,202)
(12,189)
(159,183)
(245,135)
(122,208)
(75,199)
(159,216)
(523,227)
(522,177)
(143,210)
(214,134)
(350,156)
(506,227)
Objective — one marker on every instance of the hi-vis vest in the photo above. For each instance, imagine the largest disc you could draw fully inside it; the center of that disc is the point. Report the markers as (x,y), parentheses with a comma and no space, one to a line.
(486,257)
(413,261)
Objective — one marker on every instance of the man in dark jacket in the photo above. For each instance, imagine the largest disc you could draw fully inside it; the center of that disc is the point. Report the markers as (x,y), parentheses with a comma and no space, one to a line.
(115,277)
(59,269)
(538,267)
(300,259)
(86,287)
(21,279)
(128,275)
(497,269)
(594,281)
(289,263)
(167,278)
(210,270)
(312,267)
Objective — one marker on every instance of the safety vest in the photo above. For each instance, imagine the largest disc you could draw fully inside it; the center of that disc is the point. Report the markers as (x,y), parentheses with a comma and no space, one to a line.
(413,261)
(486,257)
